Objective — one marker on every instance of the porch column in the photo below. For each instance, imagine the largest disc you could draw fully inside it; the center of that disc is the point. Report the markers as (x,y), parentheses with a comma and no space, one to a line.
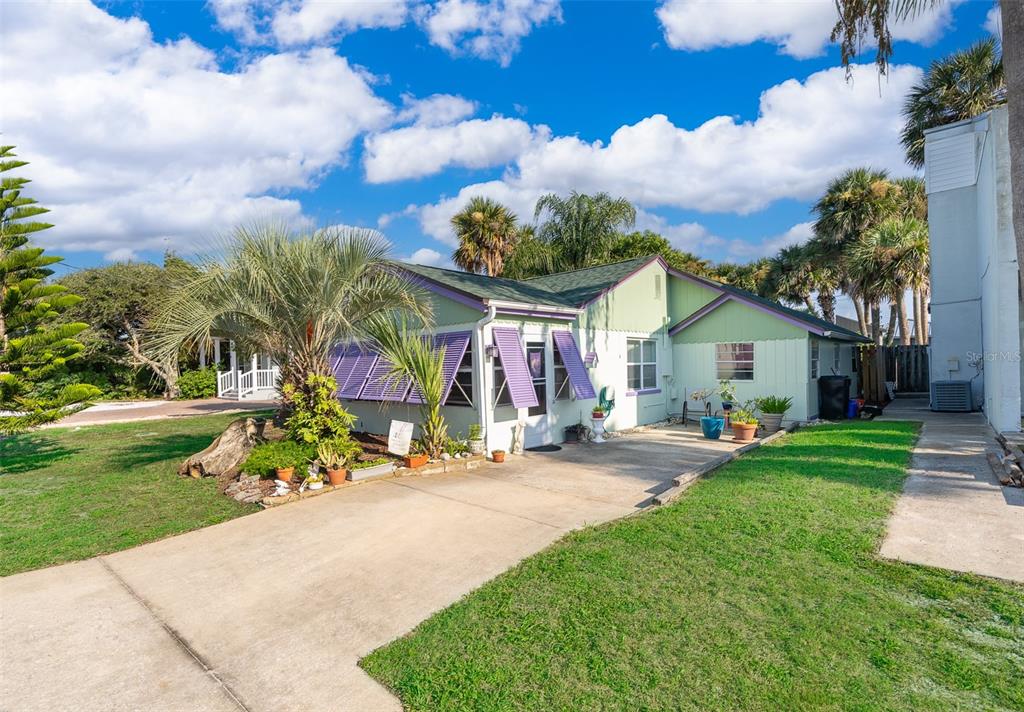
(234,361)
(216,351)
(254,365)
(202,355)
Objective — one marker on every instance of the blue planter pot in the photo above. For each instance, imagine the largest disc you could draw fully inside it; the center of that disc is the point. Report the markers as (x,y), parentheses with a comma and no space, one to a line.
(712,427)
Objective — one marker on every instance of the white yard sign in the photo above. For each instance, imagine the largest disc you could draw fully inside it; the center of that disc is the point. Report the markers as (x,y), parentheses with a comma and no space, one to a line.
(399,437)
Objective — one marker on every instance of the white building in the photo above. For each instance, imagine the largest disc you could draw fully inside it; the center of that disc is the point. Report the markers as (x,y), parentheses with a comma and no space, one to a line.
(975,303)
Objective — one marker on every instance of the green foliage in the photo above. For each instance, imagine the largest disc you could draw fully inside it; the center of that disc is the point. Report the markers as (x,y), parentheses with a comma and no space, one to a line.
(34,346)
(200,383)
(267,457)
(641,244)
(456,446)
(317,414)
(363,464)
(487,233)
(337,452)
(773,405)
(291,297)
(743,416)
(727,391)
(580,227)
(120,301)
(475,431)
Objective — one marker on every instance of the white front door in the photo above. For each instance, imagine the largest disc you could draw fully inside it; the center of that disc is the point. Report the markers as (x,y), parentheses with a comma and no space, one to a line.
(538,430)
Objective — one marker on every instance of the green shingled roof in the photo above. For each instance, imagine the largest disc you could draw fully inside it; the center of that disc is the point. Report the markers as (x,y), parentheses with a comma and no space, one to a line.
(576,288)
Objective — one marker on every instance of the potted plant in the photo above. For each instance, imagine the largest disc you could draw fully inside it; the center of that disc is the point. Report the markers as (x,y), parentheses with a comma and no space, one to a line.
(498,455)
(333,460)
(279,458)
(369,469)
(575,433)
(772,408)
(710,426)
(416,456)
(744,424)
(314,479)
(727,392)
(476,439)
(597,417)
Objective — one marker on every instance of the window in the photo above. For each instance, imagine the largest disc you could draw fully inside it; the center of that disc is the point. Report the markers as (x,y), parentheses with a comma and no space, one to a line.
(734,362)
(836,366)
(462,387)
(563,389)
(815,359)
(641,364)
(535,358)
(502,395)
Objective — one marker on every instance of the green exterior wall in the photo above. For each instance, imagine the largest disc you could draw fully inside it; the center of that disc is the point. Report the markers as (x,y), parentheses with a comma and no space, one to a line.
(734,321)
(448,312)
(637,305)
(685,297)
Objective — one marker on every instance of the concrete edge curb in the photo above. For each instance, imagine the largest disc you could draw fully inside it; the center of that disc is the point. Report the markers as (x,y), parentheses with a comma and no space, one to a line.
(684,480)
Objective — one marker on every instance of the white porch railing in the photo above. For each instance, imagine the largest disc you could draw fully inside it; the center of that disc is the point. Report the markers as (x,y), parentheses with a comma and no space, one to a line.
(226,382)
(239,384)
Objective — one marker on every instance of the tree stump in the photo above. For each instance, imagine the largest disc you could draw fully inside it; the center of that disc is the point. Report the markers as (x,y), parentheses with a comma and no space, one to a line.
(226,454)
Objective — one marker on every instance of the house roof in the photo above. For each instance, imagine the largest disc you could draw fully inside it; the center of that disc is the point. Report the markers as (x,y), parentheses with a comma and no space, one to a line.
(578,288)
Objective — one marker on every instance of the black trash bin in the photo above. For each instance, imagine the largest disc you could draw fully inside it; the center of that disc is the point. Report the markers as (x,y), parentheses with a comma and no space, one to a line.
(833,397)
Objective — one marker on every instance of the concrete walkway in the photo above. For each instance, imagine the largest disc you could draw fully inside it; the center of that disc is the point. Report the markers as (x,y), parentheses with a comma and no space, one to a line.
(132,411)
(273,611)
(953,514)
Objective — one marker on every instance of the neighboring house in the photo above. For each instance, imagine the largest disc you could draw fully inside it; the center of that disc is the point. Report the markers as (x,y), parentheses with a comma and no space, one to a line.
(975,301)
(541,351)
(245,377)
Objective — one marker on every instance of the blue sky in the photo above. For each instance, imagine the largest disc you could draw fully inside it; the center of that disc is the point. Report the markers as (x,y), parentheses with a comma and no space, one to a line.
(159,125)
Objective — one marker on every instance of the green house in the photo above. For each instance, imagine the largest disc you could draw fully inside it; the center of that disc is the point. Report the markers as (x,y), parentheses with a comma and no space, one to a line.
(535,356)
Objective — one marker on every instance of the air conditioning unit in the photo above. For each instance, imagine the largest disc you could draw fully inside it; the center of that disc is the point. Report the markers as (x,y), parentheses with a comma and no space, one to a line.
(952,396)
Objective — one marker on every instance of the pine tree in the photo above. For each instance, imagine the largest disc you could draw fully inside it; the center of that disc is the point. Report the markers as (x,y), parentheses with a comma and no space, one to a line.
(33,347)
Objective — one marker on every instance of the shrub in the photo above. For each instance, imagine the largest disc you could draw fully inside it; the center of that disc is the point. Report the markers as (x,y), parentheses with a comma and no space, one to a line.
(774,405)
(456,446)
(317,415)
(475,431)
(266,457)
(201,383)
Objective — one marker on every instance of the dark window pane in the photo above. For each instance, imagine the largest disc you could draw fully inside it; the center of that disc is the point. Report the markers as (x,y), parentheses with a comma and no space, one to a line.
(650,376)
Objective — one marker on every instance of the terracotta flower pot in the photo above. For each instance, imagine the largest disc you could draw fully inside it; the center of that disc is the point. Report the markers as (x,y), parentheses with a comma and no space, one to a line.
(498,455)
(336,477)
(416,460)
(743,432)
(284,473)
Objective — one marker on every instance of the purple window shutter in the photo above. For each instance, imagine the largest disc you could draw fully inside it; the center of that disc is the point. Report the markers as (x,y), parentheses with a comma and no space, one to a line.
(455,344)
(343,358)
(379,387)
(361,366)
(578,376)
(513,361)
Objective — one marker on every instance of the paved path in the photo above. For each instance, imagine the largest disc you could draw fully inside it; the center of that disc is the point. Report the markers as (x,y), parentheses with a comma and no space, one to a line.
(131,411)
(273,611)
(953,513)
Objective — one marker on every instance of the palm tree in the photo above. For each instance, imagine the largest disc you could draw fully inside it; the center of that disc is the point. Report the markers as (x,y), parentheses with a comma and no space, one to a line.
(292,297)
(860,20)
(531,257)
(914,203)
(487,234)
(789,276)
(887,261)
(825,274)
(857,201)
(957,87)
(580,228)
(647,242)
(752,276)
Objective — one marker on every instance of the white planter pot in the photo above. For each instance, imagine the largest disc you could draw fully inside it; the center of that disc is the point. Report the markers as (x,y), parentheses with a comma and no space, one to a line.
(316,485)
(367,473)
(771,422)
(598,428)
(477,447)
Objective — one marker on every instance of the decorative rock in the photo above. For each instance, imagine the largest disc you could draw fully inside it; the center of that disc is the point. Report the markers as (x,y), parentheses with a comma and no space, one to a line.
(445,456)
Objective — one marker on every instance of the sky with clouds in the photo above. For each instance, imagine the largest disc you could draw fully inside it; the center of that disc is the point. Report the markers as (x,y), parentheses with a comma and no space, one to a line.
(156,126)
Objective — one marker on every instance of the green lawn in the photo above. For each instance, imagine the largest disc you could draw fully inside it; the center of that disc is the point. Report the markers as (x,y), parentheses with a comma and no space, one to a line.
(68,494)
(759,590)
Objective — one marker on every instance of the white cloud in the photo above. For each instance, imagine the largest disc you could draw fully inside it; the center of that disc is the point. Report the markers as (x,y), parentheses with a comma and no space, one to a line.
(417,151)
(138,144)
(805,133)
(796,235)
(435,110)
(689,237)
(314,20)
(240,18)
(428,257)
(800,28)
(491,30)
(994,21)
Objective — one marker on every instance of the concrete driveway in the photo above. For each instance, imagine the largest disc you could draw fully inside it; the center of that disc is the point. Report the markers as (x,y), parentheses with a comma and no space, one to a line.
(274,610)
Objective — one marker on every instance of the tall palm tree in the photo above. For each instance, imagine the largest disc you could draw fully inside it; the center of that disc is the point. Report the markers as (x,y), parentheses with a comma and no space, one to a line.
(790,278)
(885,263)
(487,233)
(825,274)
(914,203)
(957,87)
(292,297)
(751,276)
(855,202)
(580,227)
(861,20)
(531,257)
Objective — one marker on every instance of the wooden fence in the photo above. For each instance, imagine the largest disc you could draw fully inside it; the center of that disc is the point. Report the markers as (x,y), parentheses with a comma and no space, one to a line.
(907,366)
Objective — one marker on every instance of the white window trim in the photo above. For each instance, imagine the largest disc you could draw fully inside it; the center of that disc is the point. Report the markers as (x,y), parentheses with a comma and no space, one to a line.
(733,362)
(641,363)
(815,360)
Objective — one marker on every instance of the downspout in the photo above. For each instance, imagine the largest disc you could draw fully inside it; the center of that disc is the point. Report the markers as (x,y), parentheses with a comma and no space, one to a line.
(480,356)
